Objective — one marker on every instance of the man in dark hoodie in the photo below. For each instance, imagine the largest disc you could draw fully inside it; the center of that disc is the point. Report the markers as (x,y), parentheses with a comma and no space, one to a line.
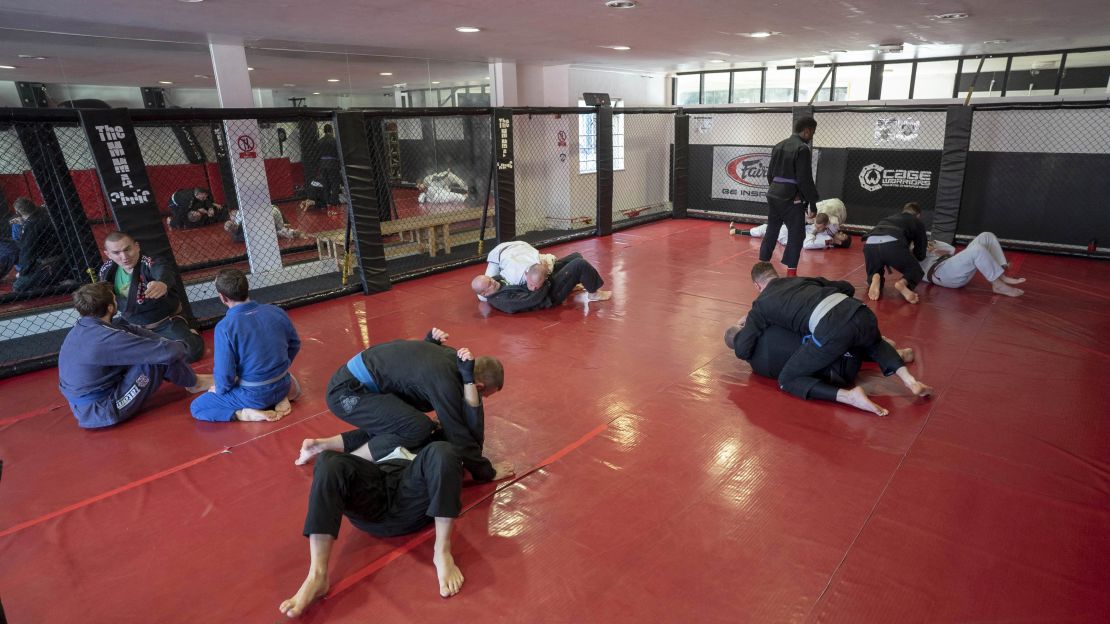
(145,295)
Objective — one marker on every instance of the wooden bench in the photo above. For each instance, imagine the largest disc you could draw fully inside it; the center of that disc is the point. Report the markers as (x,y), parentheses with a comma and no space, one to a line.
(434,228)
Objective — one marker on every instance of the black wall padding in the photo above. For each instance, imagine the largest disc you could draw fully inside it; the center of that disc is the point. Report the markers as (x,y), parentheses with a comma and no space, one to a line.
(680,166)
(48,166)
(604,170)
(953,164)
(379,162)
(227,179)
(699,189)
(1046,198)
(364,178)
(506,180)
(307,136)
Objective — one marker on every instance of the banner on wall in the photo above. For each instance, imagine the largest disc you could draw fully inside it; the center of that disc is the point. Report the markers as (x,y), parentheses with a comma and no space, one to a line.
(119,163)
(877,177)
(740,172)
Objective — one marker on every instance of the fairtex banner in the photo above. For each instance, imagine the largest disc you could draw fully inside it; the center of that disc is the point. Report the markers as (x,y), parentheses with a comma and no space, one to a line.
(740,172)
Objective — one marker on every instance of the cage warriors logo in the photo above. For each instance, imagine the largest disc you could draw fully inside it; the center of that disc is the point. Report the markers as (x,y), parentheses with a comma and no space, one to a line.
(750,169)
(874,177)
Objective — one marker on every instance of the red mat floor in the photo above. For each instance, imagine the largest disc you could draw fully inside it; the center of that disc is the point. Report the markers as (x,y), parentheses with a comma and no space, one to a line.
(670,484)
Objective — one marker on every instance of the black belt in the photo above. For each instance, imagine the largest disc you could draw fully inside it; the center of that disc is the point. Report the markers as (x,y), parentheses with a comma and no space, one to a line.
(933,268)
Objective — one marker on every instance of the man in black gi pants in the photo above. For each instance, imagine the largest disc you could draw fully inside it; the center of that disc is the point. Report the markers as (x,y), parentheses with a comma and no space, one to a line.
(792,194)
(899,242)
(833,324)
(328,170)
(568,272)
(397,493)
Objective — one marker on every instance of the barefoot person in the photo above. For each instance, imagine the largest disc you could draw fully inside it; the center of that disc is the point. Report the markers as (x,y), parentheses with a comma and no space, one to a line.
(897,242)
(386,390)
(791,193)
(833,323)
(399,494)
(254,346)
(943,266)
(569,273)
(107,369)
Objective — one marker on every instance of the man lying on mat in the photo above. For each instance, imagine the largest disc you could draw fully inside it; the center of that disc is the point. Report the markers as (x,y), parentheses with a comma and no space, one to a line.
(254,346)
(943,266)
(107,369)
(833,322)
(542,289)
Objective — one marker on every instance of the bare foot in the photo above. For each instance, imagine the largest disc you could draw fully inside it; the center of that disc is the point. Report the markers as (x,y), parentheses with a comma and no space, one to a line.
(601,295)
(1003,288)
(875,290)
(311,447)
(204,382)
(312,588)
(284,407)
(577,288)
(249,414)
(906,293)
(920,389)
(450,576)
(857,398)
(731,228)
(906,355)
(1012,280)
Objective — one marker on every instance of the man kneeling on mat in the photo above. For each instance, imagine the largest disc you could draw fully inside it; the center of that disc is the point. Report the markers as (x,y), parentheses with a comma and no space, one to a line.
(107,369)
(833,323)
(568,274)
(254,346)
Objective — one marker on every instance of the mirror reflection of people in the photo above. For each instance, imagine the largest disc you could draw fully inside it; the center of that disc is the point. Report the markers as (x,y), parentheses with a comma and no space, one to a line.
(437,188)
(192,208)
(41,260)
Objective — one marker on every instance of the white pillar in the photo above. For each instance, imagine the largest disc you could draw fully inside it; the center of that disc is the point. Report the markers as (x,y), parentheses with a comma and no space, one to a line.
(229,66)
(556,86)
(503,84)
(398,99)
(248,167)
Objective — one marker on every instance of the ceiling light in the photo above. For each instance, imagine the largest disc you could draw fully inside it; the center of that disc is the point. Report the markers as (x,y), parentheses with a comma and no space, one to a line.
(468,29)
(315,93)
(333,80)
(950,17)
(289,84)
(620,4)
(7,66)
(164,82)
(622,48)
(191,1)
(996,41)
(716,60)
(32,56)
(385,73)
(435,82)
(759,34)
(487,77)
(200,76)
(250,69)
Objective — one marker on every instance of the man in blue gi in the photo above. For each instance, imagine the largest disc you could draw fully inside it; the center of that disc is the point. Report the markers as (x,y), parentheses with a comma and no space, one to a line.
(107,369)
(254,346)
(149,301)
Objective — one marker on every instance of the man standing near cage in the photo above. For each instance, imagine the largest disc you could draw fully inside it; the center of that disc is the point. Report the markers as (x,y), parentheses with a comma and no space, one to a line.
(327,172)
(150,300)
(253,346)
(107,368)
(792,194)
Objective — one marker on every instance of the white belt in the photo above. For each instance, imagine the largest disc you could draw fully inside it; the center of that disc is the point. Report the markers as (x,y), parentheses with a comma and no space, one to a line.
(823,308)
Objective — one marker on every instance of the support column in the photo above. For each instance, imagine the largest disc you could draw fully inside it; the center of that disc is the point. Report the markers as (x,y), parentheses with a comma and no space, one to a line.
(252,190)
(953,164)
(229,67)
(503,87)
(604,170)
(679,165)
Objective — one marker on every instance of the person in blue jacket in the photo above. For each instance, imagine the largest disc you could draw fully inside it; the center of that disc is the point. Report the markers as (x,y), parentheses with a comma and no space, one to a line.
(107,369)
(254,346)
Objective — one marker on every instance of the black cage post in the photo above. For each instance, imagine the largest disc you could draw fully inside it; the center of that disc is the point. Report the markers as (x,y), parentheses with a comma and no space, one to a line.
(679,165)
(604,170)
(506,181)
(953,164)
(364,179)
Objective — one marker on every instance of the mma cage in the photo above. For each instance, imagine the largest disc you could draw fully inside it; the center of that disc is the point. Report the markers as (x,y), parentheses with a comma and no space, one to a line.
(401,193)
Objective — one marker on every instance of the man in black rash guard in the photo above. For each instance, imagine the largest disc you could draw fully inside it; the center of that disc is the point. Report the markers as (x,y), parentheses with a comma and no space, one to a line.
(791,193)
(899,242)
(833,324)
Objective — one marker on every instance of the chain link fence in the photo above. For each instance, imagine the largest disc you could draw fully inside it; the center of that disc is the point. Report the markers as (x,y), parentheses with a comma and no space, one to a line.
(1036,175)
(555,162)
(643,144)
(438,173)
(51,219)
(877,160)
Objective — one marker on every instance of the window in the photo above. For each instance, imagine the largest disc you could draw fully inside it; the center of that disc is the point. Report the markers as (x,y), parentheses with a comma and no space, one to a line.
(808,81)
(747,86)
(687,89)
(991,77)
(935,79)
(1033,75)
(716,88)
(587,140)
(1086,73)
(853,83)
(896,81)
(780,84)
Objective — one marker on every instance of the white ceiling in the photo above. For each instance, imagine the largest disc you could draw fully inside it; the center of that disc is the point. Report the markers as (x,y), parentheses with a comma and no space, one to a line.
(664,36)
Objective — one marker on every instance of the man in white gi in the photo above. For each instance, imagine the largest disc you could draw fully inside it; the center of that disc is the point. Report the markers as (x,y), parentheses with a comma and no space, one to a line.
(436,188)
(944,267)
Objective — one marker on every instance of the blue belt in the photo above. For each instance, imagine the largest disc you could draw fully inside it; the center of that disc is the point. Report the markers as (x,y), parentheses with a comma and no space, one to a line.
(93,397)
(358,368)
(329,158)
(258,384)
(781,180)
(810,337)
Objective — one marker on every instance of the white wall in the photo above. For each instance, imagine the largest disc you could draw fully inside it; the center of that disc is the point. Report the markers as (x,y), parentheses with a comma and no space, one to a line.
(634,89)
(9,96)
